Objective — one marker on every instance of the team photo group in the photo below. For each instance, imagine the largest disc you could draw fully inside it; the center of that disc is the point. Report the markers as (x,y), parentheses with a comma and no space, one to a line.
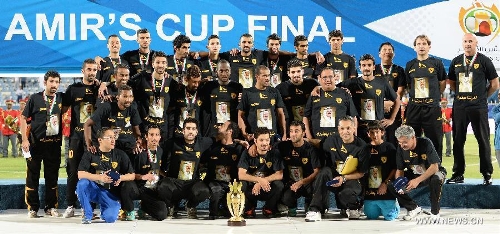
(172,131)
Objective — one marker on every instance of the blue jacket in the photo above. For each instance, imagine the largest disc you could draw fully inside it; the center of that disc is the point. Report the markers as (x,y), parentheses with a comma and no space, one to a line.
(495,113)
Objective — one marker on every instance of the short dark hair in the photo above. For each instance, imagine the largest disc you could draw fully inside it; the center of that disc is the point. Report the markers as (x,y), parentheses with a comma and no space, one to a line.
(347,118)
(88,61)
(246,35)
(213,36)
(299,38)
(159,54)
(141,31)
(324,69)
(190,120)
(261,131)
(193,71)
(223,61)
(297,123)
(118,66)
(384,44)
(151,126)
(365,57)
(293,63)
(375,125)
(112,35)
(100,132)
(335,33)
(179,40)
(423,37)
(273,36)
(51,73)
(123,88)
(260,68)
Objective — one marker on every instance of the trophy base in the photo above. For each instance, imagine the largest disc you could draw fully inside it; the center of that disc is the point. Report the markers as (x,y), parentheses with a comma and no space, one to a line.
(236,223)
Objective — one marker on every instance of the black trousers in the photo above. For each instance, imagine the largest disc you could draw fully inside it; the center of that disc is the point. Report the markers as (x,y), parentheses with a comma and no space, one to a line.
(50,154)
(173,190)
(478,118)
(290,197)
(271,198)
(429,120)
(150,201)
(347,196)
(218,191)
(435,183)
(76,150)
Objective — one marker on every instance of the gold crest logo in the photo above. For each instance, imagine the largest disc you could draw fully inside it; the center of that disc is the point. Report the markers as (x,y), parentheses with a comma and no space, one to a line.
(424,156)
(346,65)
(305,160)
(476,65)
(383,159)
(338,100)
(198,154)
(269,164)
(273,101)
(188,65)
(254,61)
(114,165)
(199,102)
(234,157)
(233,95)
(394,74)
(343,149)
(431,69)
(378,92)
(167,89)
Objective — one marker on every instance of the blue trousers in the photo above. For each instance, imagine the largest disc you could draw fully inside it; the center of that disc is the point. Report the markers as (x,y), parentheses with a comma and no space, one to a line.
(387,208)
(88,191)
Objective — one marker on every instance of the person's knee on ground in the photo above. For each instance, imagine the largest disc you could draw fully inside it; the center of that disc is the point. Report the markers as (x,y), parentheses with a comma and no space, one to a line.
(372,209)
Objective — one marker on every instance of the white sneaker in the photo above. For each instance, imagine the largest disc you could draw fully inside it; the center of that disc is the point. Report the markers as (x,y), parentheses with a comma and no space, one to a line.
(434,218)
(313,216)
(32,214)
(353,214)
(413,213)
(69,212)
(53,212)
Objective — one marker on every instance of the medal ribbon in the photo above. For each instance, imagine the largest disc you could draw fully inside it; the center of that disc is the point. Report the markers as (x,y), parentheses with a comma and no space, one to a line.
(468,66)
(383,70)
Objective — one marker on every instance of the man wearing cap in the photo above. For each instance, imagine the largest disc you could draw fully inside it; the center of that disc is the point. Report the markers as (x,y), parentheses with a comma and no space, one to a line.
(10,127)
(446,117)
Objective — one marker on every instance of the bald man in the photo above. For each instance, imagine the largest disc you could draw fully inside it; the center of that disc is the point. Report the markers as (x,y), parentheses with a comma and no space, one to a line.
(473,78)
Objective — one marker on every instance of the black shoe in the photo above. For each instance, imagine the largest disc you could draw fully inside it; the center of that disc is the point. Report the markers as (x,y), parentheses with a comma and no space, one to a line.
(487,179)
(455,179)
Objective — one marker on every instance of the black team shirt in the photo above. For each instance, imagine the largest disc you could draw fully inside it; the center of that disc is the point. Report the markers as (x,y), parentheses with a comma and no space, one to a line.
(255,103)
(222,162)
(138,61)
(382,161)
(471,91)
(299,162)
(426,92)
(146,162)
(295,97)
(181,160)
(318,108)
(261,165)
(336,153)
(38,109)
(81,99)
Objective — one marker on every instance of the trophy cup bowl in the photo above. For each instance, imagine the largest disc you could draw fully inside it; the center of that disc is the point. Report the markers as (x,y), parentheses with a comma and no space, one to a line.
(236,204)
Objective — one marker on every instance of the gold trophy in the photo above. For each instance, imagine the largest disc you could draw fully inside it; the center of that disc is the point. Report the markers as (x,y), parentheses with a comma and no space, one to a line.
(236,204)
